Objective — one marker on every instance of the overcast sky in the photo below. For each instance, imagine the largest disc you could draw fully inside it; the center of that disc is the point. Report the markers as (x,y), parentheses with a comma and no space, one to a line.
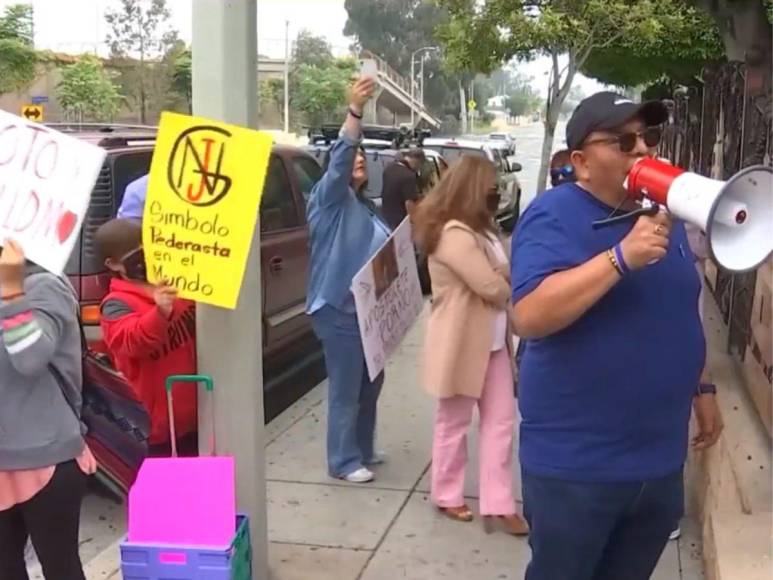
(76,26)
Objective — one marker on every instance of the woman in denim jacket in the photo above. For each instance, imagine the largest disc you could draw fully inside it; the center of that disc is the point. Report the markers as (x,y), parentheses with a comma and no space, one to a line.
(345,234)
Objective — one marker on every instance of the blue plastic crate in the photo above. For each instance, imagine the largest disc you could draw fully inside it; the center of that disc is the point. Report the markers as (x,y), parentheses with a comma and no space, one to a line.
(162,562)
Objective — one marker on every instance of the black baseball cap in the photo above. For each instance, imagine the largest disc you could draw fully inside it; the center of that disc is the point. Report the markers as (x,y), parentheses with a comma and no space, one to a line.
(607,110)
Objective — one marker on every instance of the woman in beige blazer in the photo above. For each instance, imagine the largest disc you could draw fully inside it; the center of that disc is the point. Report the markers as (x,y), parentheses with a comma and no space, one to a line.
(468,347)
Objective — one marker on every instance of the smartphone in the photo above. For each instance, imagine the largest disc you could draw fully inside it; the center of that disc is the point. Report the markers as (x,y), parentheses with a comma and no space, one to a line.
(368,68)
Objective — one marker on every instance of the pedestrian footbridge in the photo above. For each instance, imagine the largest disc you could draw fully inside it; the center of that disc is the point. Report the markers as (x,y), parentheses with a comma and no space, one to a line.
(392,105)
(394,95)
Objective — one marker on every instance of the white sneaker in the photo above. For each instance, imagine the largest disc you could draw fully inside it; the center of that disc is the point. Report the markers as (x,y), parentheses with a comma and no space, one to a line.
(378,458)
(362,475)
(676,534)
(29,553)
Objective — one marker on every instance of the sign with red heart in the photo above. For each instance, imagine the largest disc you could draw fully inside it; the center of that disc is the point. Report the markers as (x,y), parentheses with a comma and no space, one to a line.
(46,179)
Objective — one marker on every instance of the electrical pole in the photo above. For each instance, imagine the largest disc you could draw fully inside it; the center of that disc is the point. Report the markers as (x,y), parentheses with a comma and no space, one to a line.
(413,97)
(287,77)
(421,76)
(413,81)
(472,110)
(463,108)
(225,48)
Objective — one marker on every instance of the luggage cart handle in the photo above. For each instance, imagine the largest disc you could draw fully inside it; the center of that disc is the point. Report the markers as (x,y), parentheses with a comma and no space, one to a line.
(206,379)
(170,382)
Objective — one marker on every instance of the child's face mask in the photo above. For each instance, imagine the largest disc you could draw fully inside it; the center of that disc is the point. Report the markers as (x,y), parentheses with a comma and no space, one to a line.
(134,265)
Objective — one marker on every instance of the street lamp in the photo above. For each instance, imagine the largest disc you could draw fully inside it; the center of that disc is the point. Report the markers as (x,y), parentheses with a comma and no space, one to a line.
(413,81)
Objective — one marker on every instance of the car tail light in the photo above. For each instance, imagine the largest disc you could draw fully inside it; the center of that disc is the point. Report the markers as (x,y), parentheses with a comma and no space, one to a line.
(90,314)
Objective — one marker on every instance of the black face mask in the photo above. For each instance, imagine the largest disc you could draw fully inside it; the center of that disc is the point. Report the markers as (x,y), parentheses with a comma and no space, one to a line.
(134,264)
(492,202)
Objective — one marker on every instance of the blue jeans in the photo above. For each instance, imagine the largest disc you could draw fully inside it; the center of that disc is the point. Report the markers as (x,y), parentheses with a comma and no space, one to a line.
(352,397)
(599,531)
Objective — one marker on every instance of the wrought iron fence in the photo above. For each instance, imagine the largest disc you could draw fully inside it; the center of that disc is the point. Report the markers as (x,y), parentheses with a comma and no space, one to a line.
(720,126)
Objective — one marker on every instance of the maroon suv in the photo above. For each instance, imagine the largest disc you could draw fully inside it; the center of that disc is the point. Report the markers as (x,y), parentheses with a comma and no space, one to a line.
(117,422)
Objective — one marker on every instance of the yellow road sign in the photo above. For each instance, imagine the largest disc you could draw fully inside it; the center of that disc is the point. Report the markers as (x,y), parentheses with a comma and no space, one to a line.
(32,112)
(472,105)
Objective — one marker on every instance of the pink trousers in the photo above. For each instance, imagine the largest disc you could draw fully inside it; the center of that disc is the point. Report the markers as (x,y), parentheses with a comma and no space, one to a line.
(496,408)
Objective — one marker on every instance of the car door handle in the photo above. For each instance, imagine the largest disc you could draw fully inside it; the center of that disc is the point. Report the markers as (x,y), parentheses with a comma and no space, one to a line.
(275,264)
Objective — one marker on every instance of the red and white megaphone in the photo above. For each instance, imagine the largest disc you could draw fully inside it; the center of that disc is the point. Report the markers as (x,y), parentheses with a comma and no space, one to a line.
(736,215)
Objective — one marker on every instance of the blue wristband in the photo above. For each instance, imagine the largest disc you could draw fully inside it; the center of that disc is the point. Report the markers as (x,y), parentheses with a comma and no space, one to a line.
(620,260)
(707,389)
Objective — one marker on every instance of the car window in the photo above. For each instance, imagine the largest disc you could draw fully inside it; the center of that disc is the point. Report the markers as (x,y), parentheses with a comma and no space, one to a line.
(429,175)
(277,208)
(319,152)
(377,162)
(127,168)
(497,159)
(117,172)
(452,153)
(308,173)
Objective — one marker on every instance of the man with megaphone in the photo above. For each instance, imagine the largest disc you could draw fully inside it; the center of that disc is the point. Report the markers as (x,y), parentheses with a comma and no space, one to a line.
(613,360)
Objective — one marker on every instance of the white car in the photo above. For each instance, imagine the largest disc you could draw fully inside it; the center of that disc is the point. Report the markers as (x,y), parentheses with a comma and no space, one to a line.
(509,187)
(502,138)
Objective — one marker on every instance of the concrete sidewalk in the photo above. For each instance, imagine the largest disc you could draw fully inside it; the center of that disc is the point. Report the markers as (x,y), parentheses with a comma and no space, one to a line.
(326,529)
(323,529)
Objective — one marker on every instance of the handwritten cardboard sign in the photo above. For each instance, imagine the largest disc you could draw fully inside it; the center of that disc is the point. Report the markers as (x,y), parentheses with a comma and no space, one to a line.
(204,191)
(388,298)
(46,178)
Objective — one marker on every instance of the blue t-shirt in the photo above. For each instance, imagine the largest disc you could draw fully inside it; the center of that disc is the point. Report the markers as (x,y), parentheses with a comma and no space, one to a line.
(608,398)
(133,203)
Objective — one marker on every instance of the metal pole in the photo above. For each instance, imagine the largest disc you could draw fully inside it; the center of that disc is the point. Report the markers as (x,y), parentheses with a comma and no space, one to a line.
(413,98)
(225,48)
(287,77)
(472,111)
(421,76)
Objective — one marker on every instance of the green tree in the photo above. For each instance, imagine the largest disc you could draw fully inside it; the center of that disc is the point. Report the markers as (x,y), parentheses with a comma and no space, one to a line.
(86,91)
(523,100)
(139,29)
(17,24)
(273,91)
(521,97)
(393,30)
(744,26)
(18,59)
(179,62)
(321,92)
(680,56)
(480,36)
(312,50)
(576,94)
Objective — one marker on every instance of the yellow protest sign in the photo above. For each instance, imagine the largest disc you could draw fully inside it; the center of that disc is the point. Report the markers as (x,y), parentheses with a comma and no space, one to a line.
(204,191)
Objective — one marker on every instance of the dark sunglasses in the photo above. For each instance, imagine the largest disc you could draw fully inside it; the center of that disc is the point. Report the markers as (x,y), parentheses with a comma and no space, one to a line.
(627,141)
(562,172)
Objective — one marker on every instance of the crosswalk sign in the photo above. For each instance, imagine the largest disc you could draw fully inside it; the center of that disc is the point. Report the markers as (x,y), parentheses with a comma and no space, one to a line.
(472,105)
(32,112)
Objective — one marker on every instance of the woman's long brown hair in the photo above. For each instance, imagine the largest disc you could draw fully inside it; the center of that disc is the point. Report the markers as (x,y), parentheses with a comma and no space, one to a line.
(460,195)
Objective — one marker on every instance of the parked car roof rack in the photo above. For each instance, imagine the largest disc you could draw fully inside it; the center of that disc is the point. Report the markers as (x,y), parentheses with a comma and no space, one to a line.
(100,127)
(400,137)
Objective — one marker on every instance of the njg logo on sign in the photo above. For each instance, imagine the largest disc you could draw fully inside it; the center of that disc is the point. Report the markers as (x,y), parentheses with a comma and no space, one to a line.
(195,171)
(46,179)
(204,191)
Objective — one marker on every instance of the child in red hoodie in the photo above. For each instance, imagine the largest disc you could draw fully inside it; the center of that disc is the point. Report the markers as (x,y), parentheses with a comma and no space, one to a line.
(150,334)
